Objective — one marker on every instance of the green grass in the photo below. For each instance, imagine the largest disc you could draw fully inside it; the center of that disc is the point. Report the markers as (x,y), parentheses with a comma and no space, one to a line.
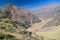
(51,35)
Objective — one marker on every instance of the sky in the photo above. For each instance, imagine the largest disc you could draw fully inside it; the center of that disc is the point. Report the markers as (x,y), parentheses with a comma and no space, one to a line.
(29,4)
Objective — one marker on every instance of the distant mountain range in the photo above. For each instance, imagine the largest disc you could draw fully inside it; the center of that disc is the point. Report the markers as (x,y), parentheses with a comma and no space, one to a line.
(47,12)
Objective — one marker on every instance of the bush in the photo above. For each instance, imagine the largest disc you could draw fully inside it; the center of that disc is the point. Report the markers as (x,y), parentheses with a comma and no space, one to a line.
(6,37)
(26,24)
(7,26)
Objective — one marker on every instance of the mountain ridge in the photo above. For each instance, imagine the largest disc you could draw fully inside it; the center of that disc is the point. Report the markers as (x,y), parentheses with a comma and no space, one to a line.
(47,12)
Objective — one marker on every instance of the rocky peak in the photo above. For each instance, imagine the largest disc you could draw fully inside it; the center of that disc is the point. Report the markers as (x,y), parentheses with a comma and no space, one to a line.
(10,7)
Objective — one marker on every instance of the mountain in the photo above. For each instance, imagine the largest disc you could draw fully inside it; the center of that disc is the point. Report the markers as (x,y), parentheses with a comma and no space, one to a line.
(49,15)
(14,22)
(18,15)
(49,30)
(47,12)
(49,23)
(18,24)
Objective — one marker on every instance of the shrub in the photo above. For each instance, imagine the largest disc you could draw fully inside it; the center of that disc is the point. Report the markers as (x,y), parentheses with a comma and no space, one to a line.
(7,26)
(26,24)
(6,37)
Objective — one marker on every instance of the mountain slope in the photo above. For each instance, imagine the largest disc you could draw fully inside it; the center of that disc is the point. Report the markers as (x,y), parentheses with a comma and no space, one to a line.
(14,23)
(48,30)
